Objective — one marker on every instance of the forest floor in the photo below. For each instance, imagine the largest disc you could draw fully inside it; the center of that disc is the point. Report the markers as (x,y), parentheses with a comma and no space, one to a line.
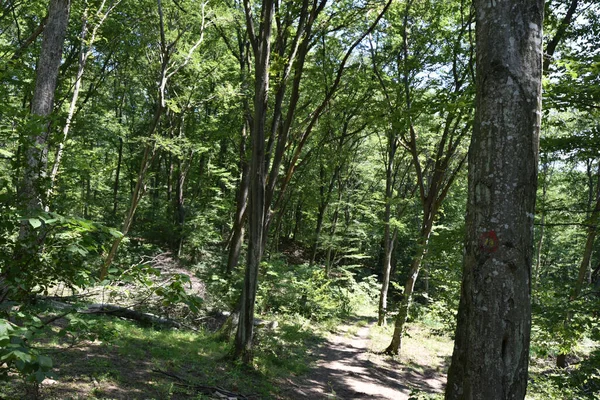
(349,366)
(142,363)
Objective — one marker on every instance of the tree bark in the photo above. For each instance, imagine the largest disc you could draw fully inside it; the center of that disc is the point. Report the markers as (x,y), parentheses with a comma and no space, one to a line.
(491,350)
(261,45)
(36,148)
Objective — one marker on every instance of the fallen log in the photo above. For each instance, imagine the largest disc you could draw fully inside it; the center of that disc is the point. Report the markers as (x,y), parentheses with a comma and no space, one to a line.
(143,318)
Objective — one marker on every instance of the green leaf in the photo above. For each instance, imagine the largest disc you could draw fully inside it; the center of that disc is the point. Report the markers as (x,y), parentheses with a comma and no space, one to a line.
(45,362)
(36,223)
(40,376)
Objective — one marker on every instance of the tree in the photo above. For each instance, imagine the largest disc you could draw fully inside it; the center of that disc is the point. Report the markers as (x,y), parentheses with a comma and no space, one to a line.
(266,159)
(36,146)
(35,139)
(491,351)
(433,124)
(168,68)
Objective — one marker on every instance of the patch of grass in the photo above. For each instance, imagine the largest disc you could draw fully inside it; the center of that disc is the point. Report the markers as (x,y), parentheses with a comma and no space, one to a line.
(124,363)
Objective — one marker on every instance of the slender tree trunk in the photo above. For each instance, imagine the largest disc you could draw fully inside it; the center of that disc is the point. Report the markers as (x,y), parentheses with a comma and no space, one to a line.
(136,196)
(117,175)
(167,70)
(78,79)
(409,286)
(180,209)
(239,220)
(491,349)
(325,199)
(540,243)
(334,220)
(262,56)
(319,228)
(388,243)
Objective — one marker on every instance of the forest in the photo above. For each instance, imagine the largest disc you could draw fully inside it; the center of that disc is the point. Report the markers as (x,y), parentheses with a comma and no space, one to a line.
(352,199)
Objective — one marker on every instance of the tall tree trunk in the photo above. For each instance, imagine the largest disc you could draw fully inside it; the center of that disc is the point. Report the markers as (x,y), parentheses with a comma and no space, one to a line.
(261,45)
(491,349)
(388,249)
(334,220)
(388,242)
(179,206)
(434,182)
(36,147)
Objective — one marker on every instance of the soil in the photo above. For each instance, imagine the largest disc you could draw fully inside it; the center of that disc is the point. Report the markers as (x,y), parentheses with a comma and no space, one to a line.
(350,368)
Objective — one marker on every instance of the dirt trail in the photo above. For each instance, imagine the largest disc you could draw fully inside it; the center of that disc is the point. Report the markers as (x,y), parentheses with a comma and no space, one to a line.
(348,369)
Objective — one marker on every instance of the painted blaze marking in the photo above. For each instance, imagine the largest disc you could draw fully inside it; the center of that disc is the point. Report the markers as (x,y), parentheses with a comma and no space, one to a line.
(488,242)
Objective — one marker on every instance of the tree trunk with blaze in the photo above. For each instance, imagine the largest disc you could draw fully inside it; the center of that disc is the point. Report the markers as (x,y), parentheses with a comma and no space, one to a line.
(491,350)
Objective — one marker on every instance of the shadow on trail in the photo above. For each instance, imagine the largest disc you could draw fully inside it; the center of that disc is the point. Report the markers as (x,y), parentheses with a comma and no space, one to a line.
(347,370)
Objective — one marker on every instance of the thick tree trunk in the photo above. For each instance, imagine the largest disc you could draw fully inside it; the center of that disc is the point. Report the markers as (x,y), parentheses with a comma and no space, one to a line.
(36,153)
(491,350)
(35,146)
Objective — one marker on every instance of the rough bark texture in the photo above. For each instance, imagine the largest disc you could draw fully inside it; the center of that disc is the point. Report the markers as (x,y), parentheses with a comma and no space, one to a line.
(36,152)
(491,349)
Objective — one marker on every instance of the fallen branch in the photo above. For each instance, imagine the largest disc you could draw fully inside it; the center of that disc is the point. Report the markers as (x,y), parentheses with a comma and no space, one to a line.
(204,389)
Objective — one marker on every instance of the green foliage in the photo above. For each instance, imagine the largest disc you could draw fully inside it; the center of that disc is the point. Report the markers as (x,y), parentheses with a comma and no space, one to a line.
(581,381)
(16,353)
(307,291)
(62,249)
